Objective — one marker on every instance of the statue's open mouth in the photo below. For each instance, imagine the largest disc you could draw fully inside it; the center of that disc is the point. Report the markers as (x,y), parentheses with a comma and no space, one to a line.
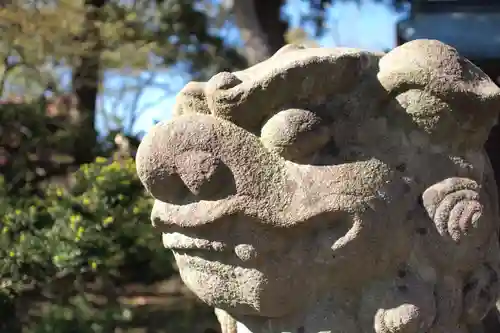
(177,241)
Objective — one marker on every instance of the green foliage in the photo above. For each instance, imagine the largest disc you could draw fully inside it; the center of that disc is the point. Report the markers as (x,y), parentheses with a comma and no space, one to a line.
(33,145)
(98,228)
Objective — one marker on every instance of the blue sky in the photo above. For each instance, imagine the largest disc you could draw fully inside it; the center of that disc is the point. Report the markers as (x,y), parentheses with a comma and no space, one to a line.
(369,26)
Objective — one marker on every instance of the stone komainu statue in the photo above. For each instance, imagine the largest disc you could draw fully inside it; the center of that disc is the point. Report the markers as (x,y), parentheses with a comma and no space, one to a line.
(333,190)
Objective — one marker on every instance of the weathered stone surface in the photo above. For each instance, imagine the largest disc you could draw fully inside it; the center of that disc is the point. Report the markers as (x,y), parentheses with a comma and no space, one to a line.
(333,190)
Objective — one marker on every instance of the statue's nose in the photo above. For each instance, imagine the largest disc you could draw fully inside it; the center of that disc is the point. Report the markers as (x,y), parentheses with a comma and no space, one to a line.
(176,174)
(195,175)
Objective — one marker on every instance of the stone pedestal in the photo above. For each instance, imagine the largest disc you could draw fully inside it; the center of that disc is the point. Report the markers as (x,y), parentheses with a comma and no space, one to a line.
(333,190)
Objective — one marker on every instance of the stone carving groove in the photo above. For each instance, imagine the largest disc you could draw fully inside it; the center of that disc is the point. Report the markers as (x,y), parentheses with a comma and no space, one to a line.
(333,190)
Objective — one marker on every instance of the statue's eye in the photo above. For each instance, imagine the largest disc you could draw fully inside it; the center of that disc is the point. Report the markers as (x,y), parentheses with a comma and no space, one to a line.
(295,134)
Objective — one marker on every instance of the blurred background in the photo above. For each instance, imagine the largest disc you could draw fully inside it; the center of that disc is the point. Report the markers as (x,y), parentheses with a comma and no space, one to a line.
(80,83)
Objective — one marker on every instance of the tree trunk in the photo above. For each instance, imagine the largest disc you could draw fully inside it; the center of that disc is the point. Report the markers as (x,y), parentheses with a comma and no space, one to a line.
(262,29)
(85,80)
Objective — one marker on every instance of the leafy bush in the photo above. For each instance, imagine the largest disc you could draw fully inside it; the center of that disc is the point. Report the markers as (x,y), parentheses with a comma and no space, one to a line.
(70,241)
(97,228)
(34,145)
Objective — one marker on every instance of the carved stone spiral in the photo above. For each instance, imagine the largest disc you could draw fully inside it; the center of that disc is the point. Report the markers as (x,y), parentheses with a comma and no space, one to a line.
(455,207)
